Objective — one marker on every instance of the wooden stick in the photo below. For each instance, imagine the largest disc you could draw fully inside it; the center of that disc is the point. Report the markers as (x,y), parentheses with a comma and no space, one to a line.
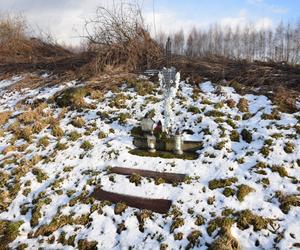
(161,206)
(168,177)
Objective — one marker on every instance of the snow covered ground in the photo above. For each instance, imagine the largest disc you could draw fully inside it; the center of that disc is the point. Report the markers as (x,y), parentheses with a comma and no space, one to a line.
(46,185)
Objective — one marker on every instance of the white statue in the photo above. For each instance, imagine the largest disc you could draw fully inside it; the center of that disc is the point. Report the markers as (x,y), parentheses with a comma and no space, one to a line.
(169,81)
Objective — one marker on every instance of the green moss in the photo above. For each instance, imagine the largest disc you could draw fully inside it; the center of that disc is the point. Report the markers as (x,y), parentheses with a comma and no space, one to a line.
(246,218)
(247,116)
(211,200)
(73,97)
(120,208)
(135,178)
(193,109)
(228,191)
(225,241)
(261,171)
(122,118)
(231,123)
(265,181)
(57,222)
(86,146)
(277,135)
(164,154)
(268,142)
(219,105)
(199,220)
(102,135)
(36,212)
(74,135)
(78,122)
(221,183)
(39,174)
(87,245)
(22,246)
(9,231)
(159,181)
(178,236)
(265,151)
(287,201)
(289,147)
(145,88)
(246,135)
(220,145)
(219,222)
(243,191)
(137,132)
(214,113)
(275,115)
(3,179)
(177,222)
(193,238)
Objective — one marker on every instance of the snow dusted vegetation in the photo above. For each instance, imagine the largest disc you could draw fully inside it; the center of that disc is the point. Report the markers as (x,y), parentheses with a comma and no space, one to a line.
(57,144)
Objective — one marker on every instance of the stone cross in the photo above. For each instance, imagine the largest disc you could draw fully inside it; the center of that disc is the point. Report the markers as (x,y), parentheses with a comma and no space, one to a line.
(168,51)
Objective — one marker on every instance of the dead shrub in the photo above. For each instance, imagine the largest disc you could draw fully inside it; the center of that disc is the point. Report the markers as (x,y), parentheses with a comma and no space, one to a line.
(119,37)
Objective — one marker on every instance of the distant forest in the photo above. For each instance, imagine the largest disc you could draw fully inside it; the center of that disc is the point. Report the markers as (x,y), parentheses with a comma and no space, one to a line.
(281,44)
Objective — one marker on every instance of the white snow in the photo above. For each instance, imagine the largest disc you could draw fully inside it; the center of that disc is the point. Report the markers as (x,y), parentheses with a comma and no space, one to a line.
(113,151)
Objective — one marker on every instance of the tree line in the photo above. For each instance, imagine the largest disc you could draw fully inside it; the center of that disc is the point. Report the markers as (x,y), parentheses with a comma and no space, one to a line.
(280,44)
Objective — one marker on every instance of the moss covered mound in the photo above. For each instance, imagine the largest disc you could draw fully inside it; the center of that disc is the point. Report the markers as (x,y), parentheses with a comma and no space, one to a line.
(73,97)
(164,154)
(221,183)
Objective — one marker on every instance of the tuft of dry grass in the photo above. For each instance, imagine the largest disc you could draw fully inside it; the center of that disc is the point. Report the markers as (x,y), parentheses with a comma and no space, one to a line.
(4,117)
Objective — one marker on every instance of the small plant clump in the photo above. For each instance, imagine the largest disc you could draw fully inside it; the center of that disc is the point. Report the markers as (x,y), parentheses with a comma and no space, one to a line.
(102,135)
(243,105)
(39,174)
(221,183)
(78,122)
(280,170)
(265,151)
(74,135)
(193,109)
(289,147)
(61,146)
(193,239)
(9,231)
(235,136)
(4,117)
(57,131)
(177,222)
(120,208)
(43,142)
(214,113)
(228,191)
(246,135)
(86,146)
(135,178)
(243,191)
(287,201)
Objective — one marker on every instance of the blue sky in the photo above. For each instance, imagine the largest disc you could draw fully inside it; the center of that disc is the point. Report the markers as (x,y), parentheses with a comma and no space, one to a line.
(65,18)
(263,13)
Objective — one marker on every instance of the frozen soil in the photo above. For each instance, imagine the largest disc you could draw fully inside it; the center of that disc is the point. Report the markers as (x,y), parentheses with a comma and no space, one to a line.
(243,186)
